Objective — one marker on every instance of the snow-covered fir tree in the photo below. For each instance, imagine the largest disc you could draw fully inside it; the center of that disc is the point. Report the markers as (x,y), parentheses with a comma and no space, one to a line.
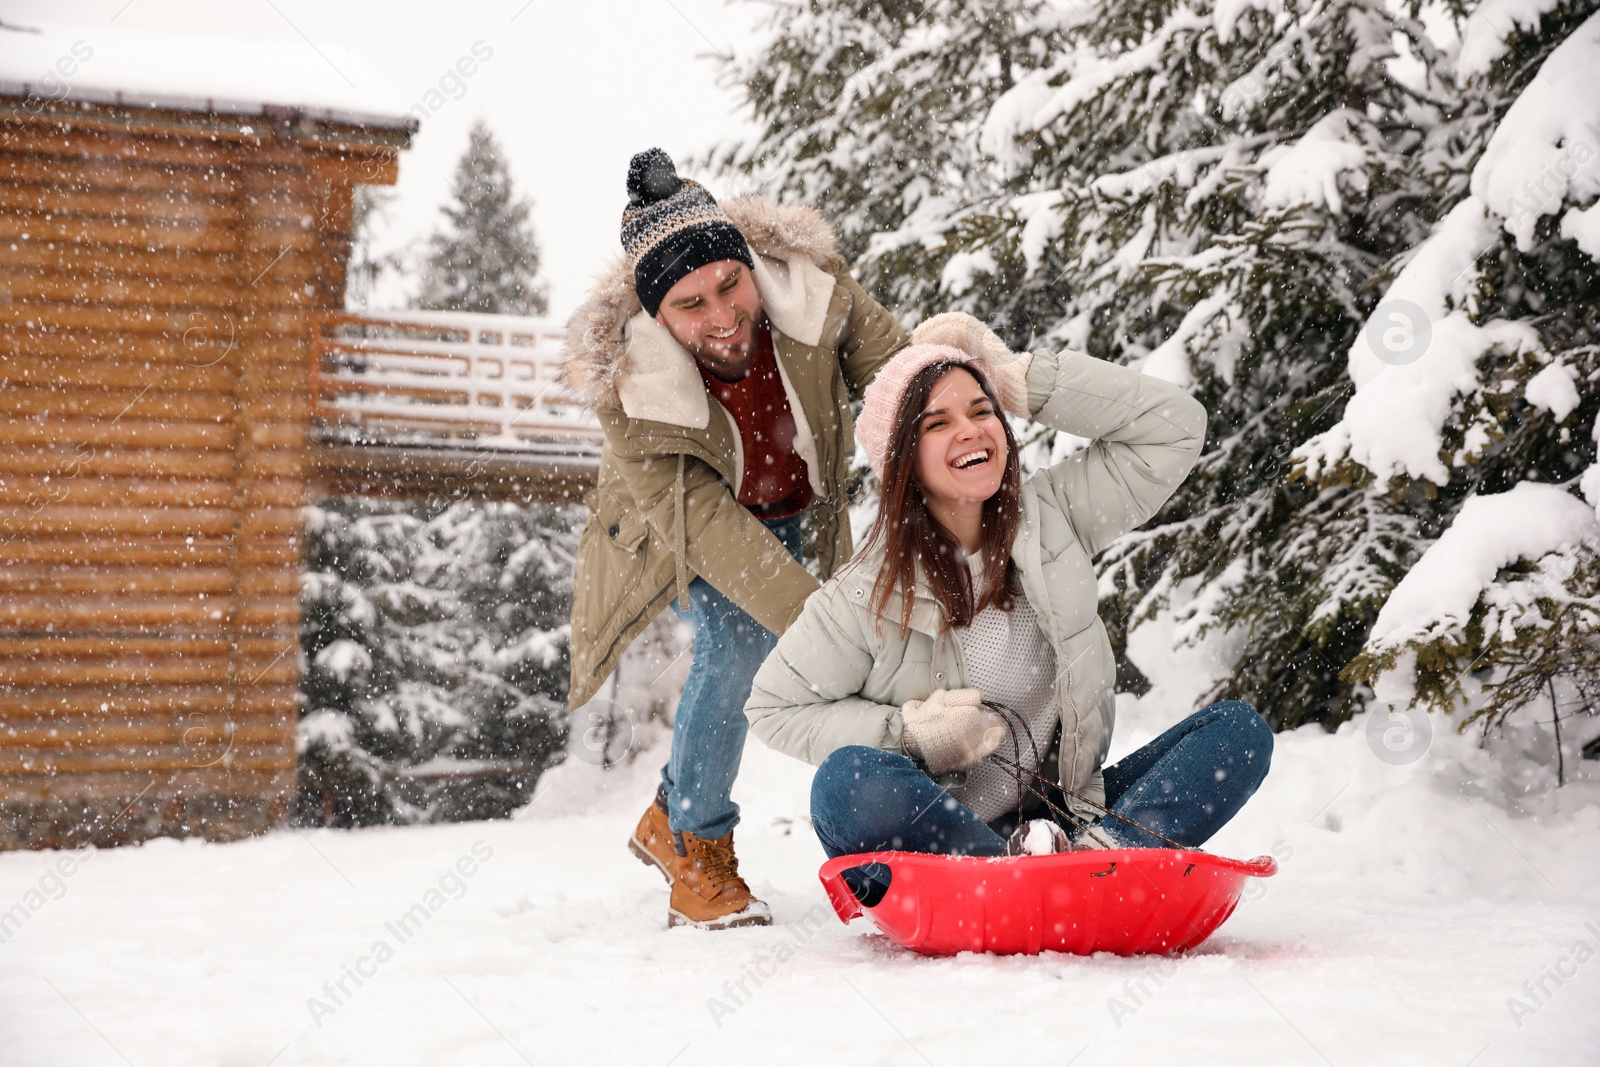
(869,111)
(1491,417)
(486,259)
(433,636)
(1222,194)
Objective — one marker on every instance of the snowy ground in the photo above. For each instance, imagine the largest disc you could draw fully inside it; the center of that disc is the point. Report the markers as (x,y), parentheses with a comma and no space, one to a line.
(1441,912)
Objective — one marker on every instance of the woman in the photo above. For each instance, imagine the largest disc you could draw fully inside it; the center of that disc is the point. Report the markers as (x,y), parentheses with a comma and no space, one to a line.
(955,681)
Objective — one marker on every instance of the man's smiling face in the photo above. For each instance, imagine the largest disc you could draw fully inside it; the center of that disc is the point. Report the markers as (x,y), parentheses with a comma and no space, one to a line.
(713,313)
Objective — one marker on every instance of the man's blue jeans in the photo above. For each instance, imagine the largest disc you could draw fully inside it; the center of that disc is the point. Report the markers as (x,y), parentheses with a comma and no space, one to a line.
(709,728)
(1186,785)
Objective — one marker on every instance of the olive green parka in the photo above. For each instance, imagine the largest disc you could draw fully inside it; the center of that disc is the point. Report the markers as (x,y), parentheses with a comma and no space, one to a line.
(663,510)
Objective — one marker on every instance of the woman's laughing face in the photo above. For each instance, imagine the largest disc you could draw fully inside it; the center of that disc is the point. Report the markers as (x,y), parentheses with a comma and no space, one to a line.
(961,449)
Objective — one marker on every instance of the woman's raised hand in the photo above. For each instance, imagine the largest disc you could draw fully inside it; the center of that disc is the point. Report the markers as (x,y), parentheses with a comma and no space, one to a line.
(951,730)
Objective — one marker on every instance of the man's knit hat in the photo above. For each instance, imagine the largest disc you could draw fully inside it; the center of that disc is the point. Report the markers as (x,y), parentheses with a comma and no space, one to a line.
(672,226)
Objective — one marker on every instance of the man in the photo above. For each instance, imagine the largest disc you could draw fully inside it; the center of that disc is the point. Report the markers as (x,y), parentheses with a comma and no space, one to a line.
(720,356)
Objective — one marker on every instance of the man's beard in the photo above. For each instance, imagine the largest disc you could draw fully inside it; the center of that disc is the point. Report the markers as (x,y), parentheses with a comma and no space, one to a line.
(729,364)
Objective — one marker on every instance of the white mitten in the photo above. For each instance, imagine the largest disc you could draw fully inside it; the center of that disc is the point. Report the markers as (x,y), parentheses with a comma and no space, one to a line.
(1008,369)
(951,730)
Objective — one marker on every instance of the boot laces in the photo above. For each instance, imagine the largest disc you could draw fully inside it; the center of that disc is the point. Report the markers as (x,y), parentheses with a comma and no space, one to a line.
(718,862)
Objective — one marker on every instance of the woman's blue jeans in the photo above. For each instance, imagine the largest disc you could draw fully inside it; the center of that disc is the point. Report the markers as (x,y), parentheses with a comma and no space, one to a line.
(709,728)
(1185,785)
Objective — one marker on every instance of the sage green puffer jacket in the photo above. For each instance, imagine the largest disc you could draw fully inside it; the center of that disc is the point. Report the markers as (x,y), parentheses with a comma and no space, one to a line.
(839,676)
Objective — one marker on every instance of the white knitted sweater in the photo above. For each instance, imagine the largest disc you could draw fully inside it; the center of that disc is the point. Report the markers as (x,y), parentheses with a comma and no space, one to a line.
(1009,660)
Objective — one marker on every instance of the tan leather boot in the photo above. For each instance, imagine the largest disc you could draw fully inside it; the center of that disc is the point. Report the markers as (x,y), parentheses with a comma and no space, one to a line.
(707,891)
(652,840)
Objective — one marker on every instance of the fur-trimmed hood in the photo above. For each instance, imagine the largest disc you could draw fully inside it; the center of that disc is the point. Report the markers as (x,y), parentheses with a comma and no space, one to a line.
(796,253)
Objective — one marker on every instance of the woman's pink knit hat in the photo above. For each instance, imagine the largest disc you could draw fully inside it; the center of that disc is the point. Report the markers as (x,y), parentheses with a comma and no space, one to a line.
(882,398)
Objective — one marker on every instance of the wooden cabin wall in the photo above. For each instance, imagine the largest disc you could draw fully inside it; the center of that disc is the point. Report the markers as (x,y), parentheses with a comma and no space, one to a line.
(155,293)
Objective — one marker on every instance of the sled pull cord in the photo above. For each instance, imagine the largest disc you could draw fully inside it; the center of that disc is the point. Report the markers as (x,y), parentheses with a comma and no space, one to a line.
(1019,770)
(1031,780)
(1013,719)
(1042,796)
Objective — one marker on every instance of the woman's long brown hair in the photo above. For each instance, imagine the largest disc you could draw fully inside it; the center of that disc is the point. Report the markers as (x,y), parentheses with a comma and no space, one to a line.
(911,534)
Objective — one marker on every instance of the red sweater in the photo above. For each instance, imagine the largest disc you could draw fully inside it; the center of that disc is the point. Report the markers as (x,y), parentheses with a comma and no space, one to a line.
(775,484)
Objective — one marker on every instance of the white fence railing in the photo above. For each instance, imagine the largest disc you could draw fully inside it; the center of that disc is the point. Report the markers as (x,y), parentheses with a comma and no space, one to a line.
(491,380)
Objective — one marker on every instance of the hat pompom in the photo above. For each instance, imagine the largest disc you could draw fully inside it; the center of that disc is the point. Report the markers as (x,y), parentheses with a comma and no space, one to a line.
(672,227)
(651,178)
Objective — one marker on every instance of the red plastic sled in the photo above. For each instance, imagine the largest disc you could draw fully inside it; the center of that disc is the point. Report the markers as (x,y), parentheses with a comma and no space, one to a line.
(1125,901)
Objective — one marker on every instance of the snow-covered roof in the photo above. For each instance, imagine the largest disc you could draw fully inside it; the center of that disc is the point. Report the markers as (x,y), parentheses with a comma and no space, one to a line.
(188,72)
